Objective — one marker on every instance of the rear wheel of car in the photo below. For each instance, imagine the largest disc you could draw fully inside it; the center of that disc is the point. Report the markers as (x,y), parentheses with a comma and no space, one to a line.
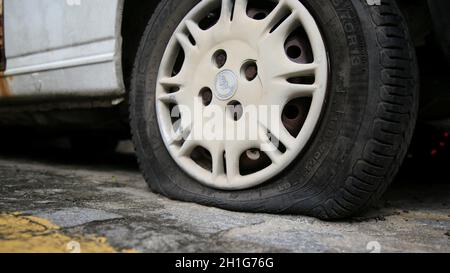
(320,98)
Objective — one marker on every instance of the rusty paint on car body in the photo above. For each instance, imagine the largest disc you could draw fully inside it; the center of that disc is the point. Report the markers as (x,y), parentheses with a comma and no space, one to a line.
(5,90)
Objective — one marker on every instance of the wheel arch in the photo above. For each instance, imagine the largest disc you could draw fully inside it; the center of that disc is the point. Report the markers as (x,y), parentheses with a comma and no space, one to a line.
(135,17)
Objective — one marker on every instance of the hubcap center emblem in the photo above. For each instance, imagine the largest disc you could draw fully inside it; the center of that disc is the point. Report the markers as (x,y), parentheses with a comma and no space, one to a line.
(226,85)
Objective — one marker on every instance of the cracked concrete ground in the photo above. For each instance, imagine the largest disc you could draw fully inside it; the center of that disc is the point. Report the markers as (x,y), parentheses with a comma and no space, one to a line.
(108,198)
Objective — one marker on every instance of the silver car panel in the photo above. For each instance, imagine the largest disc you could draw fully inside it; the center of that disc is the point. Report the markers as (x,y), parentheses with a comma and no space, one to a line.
(62,48)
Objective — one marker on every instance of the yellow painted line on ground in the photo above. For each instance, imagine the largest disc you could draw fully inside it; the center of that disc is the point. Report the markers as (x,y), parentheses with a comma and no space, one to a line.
(29,234)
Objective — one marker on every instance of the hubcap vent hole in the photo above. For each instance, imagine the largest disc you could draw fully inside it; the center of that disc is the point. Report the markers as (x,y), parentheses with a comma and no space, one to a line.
(206,95)
(294,52)
(179,61)
(220,58)
(302,80)
(291,112)
(258,10)
(252,161)
(202,157)
(210,20)
(250,70)
(295,114)
(298,48)
(236,110)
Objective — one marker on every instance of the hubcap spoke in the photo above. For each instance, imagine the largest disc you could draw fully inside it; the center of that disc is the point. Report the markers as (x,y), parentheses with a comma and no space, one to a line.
(274,17)
(226,11)
(176,136)
(268,146)
(289,91)
(196,32)
(288,69)
(175,81)
(218,163)
(169,97)
(187,147)
(286,27)
(279,132)
(232,156)
(185,43)
(240,11)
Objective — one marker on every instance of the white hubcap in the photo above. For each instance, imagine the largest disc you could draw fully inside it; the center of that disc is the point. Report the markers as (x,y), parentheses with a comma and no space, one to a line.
(270,57)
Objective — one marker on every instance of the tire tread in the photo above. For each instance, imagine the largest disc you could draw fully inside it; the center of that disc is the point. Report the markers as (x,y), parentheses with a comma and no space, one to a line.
(392,128)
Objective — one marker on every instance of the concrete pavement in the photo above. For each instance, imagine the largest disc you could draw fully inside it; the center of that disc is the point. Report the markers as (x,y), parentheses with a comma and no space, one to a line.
(105,205)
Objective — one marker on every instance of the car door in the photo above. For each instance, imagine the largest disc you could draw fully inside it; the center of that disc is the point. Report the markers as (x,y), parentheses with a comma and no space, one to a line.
(61,49)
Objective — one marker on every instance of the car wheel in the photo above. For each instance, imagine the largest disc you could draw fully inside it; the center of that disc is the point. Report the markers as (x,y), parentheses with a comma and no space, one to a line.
(339,79)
